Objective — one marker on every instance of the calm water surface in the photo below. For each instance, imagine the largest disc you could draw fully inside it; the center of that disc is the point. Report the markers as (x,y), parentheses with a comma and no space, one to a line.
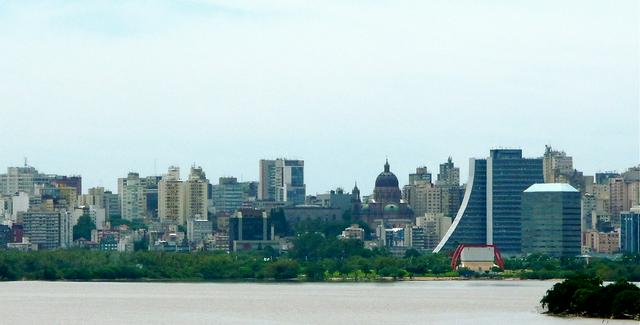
(446,302)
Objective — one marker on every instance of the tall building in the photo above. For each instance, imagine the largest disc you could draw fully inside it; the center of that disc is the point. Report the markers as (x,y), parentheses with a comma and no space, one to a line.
(630,231)
(94,196)
(74,182)
(449,174)
(195,195)
(150,192)
(556,166)
(603,177)
(112,205)
(268,186)
(421,175)
(443,197)
(132,199)
(227,195)
(49,230)
(435,226)
(282,180)
(490,212)
(551,222)
(170,197)
(21,179)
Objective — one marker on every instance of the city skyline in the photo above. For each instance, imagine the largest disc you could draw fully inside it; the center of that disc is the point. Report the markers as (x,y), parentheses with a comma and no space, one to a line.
(118,86)
(366,183)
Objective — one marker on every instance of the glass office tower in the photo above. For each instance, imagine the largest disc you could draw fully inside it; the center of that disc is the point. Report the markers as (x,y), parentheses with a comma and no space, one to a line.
(551,220)
(490,212)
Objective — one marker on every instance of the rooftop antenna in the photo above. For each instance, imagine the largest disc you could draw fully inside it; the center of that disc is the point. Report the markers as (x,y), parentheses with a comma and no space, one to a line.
(25,162)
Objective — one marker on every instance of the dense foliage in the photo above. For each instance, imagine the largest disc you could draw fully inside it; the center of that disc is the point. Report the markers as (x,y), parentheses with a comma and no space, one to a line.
(83,228)
(586,296)
(330,260)
(537,266)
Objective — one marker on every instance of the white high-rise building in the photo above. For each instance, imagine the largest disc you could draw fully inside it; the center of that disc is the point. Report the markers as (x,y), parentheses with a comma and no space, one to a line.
(132,199)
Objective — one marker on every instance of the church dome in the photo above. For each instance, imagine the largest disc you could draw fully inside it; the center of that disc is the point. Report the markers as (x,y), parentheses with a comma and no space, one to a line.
(391,208)
(387,178)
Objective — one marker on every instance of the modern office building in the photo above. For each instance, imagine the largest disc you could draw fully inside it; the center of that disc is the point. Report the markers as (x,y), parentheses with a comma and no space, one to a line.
(630,231)
(251,229)
(227,195)
(150,192)
(112,205)
(491,208)
(282,180)
(551,222)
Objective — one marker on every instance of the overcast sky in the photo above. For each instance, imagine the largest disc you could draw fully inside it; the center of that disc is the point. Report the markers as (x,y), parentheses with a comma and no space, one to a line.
(100,88)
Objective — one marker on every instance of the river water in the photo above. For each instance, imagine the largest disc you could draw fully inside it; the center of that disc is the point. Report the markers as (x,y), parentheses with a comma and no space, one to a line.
(429,302)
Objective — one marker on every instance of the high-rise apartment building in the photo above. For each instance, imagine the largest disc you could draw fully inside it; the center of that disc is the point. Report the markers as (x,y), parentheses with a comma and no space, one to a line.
(282,180)
(49,230)
(421,175)
(551,222)
(132,199)
(170,197)
(443,197)
(21,179)
(449,175)
(195,195)
(556,165)
(490,211)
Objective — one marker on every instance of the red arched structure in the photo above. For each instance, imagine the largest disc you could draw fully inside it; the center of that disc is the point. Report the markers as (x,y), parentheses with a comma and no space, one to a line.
(456,254)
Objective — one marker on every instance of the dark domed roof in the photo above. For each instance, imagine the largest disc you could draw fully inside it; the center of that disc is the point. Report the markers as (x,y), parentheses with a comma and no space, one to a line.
(386,178)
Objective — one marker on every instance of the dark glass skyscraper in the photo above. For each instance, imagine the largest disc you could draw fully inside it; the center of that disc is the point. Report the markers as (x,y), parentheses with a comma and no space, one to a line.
(490,210)
(630,231)
(551,220)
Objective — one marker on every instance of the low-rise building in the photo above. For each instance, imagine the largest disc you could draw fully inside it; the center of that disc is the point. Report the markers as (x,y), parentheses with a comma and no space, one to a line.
(601,242)
(353,232)
(199,230)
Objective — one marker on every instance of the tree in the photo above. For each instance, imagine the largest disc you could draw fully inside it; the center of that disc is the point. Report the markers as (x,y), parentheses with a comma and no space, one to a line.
(282,269)
(83,228)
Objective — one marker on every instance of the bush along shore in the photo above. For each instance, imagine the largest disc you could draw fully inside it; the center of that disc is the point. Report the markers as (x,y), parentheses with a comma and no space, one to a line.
(587,296)
(315,258)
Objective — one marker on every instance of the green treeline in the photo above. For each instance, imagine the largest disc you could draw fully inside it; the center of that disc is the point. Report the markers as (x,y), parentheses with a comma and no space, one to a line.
(314,258)
(586,296)
(538,266)
(341,261)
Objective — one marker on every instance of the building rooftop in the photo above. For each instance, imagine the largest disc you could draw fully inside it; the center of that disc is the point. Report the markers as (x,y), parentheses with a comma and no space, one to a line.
(551,187)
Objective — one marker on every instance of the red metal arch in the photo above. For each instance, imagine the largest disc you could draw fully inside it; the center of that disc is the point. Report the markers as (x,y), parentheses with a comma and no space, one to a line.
(456,254)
